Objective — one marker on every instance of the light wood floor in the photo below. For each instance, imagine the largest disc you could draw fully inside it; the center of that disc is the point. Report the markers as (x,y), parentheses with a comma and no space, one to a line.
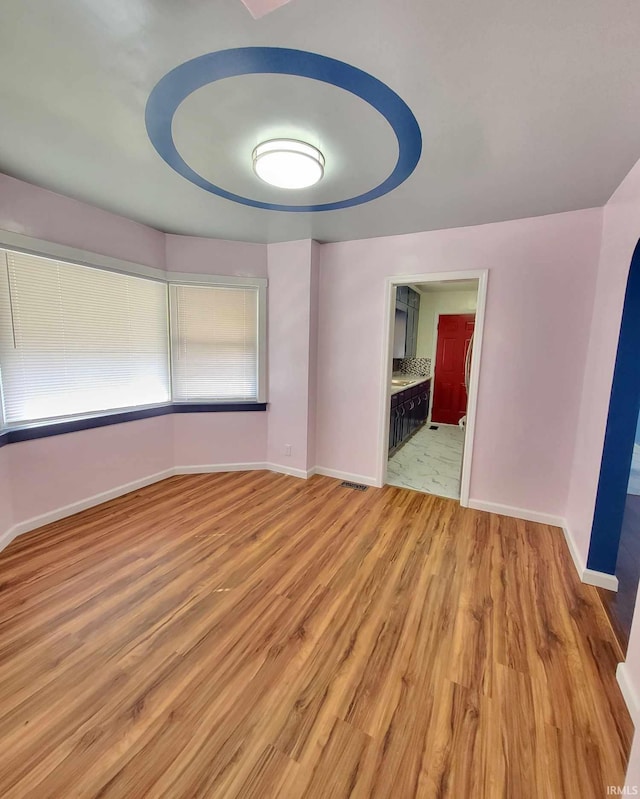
(256,635)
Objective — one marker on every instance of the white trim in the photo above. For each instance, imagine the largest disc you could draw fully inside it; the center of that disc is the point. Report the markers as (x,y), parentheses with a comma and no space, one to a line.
(97,499)
(262,343)
(482,276)
(280,469)
(211,468)
(215,280)
(48,249)
(62,252)
(573,550)
(352,478)
(260,287)
(517,513)
(83,504)
(472,397)
(600,579)
(588,576)
(629,693)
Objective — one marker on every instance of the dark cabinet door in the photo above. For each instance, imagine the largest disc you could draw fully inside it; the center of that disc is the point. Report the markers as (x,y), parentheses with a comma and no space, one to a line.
(409,352)
(411,336)
(393,423)
(423,404)
(408,301)
(409,411)
(407,426)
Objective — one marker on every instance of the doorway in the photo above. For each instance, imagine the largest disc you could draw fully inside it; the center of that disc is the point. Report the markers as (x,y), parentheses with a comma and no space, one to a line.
(435,322)
(615,534)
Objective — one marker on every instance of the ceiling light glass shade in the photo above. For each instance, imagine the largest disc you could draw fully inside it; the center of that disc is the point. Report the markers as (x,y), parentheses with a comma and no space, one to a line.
(288,164)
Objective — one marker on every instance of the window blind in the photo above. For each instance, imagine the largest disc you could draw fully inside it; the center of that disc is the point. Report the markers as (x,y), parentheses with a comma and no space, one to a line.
(214,342)
(76,340)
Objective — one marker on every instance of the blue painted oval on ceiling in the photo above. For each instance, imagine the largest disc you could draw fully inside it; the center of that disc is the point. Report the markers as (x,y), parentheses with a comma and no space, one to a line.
(185,79)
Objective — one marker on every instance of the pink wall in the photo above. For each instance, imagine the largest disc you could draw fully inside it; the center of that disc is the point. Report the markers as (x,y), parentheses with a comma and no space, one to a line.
(6,509)
(45,215)
(215,256)
(51,473)
(48,474)
(621,230)
(203,439)
(289,337)
(540,295)
(314,291)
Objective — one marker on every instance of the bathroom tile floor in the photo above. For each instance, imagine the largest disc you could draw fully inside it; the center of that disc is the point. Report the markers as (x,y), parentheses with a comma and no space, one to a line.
(429,462)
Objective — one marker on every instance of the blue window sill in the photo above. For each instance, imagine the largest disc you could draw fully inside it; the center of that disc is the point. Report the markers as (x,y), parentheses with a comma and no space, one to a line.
(17,434)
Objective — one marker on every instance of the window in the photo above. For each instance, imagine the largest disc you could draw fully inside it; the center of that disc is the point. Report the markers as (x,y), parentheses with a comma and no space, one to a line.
(77,340)
(214,342)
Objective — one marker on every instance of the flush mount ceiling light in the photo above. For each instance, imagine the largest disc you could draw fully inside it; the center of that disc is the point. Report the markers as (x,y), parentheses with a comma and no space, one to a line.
(288,164)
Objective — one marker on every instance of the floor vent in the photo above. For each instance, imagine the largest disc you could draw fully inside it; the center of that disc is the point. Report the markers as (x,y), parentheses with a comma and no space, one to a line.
(356,486)
(433,427)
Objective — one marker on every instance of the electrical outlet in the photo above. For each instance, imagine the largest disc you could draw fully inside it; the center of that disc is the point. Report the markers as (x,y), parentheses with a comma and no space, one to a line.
(287,449)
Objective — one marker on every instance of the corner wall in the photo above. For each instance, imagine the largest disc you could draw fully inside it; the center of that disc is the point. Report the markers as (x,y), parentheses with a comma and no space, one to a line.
(621,230)
(6,508)
(292,269)
(61,474)
(49,474)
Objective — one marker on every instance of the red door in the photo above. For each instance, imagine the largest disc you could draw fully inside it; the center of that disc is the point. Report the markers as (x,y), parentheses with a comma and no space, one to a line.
(449,392)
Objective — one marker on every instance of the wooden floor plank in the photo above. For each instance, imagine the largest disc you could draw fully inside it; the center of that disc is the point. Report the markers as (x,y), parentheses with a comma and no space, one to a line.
(255,635)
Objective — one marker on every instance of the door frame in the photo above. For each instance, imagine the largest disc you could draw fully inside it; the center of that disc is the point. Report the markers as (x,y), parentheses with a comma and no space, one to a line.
(391,282)
(619,438)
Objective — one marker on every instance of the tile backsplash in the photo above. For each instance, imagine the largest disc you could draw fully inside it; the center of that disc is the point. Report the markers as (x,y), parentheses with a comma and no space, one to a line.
(412,366)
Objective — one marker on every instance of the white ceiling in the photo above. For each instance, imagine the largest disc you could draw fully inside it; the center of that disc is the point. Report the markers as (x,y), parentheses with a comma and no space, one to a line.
(525,108)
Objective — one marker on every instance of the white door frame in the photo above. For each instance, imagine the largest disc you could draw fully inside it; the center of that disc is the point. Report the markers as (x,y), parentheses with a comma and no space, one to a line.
(482,276)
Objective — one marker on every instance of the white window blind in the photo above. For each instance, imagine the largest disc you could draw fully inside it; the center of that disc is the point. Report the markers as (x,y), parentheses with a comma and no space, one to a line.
(76,340)
(214,343)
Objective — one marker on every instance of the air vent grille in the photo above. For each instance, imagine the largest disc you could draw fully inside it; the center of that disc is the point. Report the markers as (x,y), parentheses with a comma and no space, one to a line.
(355,486)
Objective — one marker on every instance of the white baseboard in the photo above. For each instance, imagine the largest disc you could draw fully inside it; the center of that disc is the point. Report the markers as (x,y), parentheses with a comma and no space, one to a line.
(588,576)
(600,579)
(352,478)
(629,693)
(76,507)
(576,557)
(517,513)
(608,581)
(68,510)
(7,537)
(212,468)
(278,467)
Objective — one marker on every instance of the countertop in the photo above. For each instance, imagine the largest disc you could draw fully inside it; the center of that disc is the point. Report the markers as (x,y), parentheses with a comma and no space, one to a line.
(415,380)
